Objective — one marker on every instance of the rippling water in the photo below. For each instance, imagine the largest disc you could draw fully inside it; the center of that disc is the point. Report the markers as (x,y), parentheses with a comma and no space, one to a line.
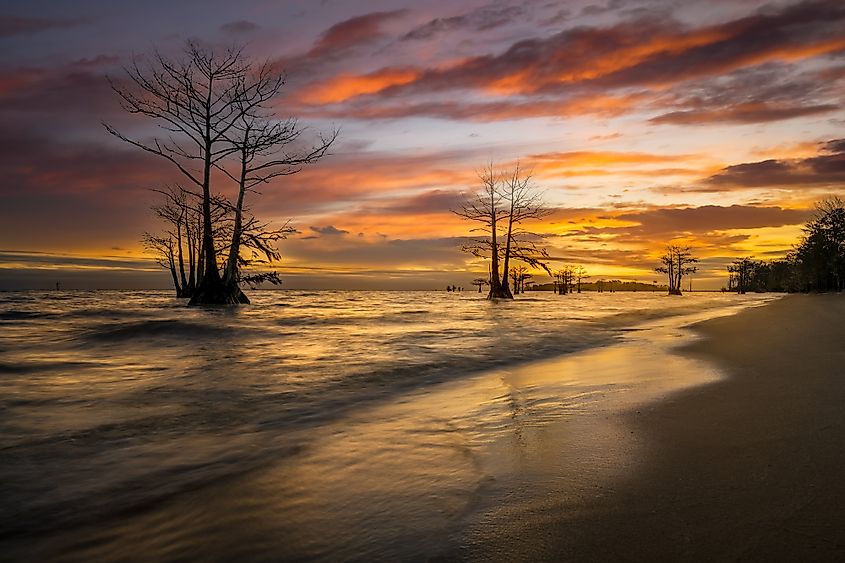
(308,425)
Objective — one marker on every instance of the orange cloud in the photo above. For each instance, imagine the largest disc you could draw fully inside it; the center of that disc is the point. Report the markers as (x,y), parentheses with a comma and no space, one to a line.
(345,86)
(604,163)
(632,52)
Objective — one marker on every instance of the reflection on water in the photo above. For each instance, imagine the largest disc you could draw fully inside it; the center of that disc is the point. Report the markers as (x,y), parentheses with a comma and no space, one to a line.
(342,425)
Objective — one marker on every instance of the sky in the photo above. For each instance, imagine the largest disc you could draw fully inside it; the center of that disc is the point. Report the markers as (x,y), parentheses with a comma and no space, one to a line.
(713,124)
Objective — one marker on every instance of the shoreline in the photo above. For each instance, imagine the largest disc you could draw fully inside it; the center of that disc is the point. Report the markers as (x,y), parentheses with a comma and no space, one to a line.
(746,467)
(563,458)
(451,463)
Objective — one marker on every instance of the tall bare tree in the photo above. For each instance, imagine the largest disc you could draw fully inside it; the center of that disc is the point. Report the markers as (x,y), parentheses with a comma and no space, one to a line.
(517,274)
(484,207)
(523,201)
(203,102)
(162,248)
(580,274)
(261,145)
(563,279)
(503,202)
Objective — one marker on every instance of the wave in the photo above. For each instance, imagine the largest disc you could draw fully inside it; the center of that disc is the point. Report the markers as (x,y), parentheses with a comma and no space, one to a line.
(159,328)
(19,315)
(36,367)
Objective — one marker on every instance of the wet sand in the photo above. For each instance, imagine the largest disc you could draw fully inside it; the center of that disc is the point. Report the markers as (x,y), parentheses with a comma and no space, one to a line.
(750,467)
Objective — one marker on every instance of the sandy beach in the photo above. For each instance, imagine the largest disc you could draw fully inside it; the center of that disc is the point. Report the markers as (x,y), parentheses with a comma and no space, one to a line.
(746,468)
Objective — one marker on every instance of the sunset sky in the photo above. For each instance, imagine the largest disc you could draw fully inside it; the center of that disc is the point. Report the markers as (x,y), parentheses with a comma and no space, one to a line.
(713,123)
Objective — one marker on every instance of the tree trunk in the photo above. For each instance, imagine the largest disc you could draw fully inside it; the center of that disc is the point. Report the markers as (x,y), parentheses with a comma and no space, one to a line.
(185,290)
(230,277)
(192,259)
(211,290)
(505,289)
(495,281)
(172,265)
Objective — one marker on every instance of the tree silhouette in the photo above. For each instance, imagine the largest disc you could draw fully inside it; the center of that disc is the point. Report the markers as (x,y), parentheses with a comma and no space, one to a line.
(213,106)
(260,142)
(820,256)
(518,274)
(480,282)
(676,265)
(182,212)
(564,279)
(746,274)
(502,202)
(579,273)
(523,202)
(485,208)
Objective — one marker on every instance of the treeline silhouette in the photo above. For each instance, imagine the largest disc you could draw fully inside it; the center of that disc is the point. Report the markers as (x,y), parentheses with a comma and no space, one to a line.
(816,264)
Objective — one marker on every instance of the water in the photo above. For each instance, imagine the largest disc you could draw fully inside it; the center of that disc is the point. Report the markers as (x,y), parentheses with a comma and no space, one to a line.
(306,426)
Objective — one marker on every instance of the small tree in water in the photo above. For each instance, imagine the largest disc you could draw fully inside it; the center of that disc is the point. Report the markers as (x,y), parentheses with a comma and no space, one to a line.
(676,265)
(480,282)
(215,109)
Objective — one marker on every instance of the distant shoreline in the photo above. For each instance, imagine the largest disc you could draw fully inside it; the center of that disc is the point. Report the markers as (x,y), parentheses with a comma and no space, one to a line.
(466,291)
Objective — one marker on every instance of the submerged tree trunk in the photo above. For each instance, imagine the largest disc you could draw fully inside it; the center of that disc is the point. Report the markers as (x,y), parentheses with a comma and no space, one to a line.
(505,289)
(185,289)
(230,275)
(172,265)
(211,290)
(495,280)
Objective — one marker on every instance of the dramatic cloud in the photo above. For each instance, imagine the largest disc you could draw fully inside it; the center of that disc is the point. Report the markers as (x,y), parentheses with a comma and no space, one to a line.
(642,121)
(826,169)
(36,164)
(553,75)
(709,218)
(755,112)
(352,32)
(771,92)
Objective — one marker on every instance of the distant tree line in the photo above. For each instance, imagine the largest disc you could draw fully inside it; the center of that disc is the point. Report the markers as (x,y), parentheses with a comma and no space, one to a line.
(816,264)
(568,279)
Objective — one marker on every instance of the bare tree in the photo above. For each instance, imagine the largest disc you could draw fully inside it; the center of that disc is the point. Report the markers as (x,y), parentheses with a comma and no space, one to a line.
(517,274)
(485,208)
(480,282)
(523,202)
(563,279)
(261,144)
(204,104)
(162,247)
(525,282)
(579,273)
(676,265)
(502,203)
(182,213)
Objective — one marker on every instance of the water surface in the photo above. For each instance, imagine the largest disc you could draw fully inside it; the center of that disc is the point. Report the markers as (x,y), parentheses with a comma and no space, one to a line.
(308,425)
